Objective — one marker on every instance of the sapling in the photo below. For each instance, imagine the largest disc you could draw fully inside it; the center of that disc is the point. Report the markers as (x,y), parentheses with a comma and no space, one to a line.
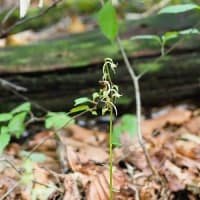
(109,26)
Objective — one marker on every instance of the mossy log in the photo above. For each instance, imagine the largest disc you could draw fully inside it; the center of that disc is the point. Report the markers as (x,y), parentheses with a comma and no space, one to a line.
(57,72)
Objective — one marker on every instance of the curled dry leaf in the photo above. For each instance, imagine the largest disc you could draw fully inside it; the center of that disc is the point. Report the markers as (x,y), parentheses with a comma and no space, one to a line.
(193,125)
(98,188)
(86,135)
(176,177)
(188,149)
(5,184)
(46,139)
(71,188)
(82,162)
(175,116)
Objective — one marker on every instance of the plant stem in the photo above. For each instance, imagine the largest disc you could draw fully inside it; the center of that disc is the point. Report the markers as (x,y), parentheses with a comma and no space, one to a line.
(135,80)
(111,154)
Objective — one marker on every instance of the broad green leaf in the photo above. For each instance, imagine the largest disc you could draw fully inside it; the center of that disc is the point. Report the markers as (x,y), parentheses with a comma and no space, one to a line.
(169,35)
(95,95)
(79,108)
(178,8)
(81,101)
(4,129)
(16,125)
(146,37)
(35,157)
(4,139)
(107,19)
(4,117)
(128,124)
(58,120)
(189,31)
(117,131)
(25,107)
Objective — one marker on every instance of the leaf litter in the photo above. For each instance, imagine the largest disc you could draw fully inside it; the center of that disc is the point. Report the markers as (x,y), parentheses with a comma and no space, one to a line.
(73,163)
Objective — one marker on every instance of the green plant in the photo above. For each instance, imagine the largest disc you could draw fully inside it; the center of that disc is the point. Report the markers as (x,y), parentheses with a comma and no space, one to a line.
(127,124)
(163,39)
(13,124)
(135,78)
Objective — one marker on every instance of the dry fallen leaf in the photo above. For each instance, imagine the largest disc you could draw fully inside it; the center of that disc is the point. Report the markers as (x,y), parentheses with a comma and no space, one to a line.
(98,188)
(86,135)
(175,116)
(71,188)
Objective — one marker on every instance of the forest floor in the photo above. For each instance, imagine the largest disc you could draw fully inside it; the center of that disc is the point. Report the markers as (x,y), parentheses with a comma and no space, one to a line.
(75,166)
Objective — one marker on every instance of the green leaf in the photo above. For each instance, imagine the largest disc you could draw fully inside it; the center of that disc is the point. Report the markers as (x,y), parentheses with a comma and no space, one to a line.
(128,124)
(16,125)
(35,157)
(117,131)
(189,31)
(169,35)
(4,117)
(107,19)
(4,139)
(146,37)
(81,101)
(79,108)
(178,8)
(25,107)
(94,113)
(58,120)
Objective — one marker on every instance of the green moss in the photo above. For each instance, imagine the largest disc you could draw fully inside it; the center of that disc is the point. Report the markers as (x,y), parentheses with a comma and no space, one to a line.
(149,66)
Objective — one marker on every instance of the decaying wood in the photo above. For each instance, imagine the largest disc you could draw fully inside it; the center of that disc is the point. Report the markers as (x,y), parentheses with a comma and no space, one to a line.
(56,72)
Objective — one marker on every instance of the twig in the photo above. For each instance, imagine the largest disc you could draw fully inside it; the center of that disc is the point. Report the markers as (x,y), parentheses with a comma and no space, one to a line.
(37,146)
(10,85)
(7,16)
(12,165)
(152,10)
(36,105)
(24,20)
(135,80)
(48,137)
(10,190)
(34,119)
(135,189)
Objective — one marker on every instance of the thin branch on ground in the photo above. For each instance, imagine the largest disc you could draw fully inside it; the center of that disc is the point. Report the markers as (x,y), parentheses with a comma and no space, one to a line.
(25,98)
(7,84)
(12,165)
(10,190)
(37,146)
(136,191)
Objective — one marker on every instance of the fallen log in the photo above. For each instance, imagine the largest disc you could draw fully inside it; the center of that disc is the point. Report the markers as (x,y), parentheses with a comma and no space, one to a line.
(56,72)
